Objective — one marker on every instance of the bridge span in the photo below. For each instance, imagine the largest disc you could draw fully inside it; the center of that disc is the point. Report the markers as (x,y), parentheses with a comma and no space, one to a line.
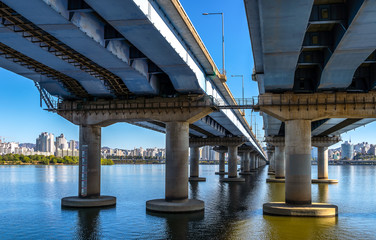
(314,62)
(98,62)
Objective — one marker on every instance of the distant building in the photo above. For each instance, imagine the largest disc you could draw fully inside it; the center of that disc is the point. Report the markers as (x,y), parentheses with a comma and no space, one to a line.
(72,145)
(314,153)
(336,155)
(61,143)
(372,150)
(207,153)
(347,150)
(15,148)
(45,143)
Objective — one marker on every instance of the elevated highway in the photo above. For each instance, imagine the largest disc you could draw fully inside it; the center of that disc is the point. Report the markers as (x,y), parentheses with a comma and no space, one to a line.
(331,50)
(314,62)
(98,62)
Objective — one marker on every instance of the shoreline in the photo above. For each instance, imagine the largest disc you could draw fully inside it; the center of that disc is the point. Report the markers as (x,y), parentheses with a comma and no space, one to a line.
(365,163)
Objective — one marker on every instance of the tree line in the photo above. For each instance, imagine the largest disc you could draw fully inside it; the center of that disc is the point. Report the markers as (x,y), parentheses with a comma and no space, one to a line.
(19,159)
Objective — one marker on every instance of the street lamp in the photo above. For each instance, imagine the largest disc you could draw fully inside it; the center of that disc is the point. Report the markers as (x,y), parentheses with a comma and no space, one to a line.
(223,39)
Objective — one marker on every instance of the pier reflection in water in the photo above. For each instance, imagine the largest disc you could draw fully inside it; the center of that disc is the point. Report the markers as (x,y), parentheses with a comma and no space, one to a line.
(30,194)
(88,224)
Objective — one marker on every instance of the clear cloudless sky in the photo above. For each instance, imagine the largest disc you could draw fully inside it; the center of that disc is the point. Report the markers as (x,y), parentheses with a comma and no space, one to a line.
(22,119)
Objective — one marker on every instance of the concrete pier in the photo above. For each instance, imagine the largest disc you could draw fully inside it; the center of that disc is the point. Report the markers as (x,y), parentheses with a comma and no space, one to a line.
(298,176)
(270,151)
(322,144)
(298,162)
(89,185)
(322,162)
(247,163)
(222,155)
(252,160)
(194,165)
(278,158)
(176,185)
(232,165)
(280,162)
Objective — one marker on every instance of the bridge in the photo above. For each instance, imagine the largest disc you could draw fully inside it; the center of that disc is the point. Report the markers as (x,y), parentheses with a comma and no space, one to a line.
(97,63)
(314,62)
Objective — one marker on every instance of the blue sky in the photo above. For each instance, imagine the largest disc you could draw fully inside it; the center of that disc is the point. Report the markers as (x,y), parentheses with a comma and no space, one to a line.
(22,119)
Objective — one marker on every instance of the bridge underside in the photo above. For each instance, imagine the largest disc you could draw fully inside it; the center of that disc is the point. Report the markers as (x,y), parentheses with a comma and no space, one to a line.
(91,50)
(313,46)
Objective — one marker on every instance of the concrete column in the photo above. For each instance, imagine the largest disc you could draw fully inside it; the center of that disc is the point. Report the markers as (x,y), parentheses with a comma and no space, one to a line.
(298,162)
(242,159)
(222,161)
(246,167)
(232,165)
(252,161)
(322,162)
(271,161)
(194,165)
(89,176)
(177,145)
(279,158)
(194,161)
(90,161)
(176,186)
(232,161)
(222,154)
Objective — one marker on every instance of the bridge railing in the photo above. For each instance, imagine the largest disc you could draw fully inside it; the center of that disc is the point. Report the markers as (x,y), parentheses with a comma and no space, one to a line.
(141,103)
(240,103)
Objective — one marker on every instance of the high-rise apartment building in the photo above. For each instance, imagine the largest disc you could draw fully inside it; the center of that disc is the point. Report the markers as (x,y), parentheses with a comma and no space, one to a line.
(45,143)
(347,151)
(61,142)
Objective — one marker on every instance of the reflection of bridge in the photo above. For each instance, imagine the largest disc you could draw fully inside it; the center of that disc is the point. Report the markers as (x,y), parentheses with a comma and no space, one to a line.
(97,63)
(315,67)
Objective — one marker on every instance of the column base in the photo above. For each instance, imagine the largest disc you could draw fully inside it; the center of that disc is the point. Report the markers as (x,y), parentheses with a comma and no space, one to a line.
(312,210)
(77,202)
(329,181)
(234,179)
(271,173)
(161,205)
(245,173)
(197,179)
(221,173)
(275,180)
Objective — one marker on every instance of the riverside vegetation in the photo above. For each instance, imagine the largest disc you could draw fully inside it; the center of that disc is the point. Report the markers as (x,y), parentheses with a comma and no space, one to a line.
(18,159)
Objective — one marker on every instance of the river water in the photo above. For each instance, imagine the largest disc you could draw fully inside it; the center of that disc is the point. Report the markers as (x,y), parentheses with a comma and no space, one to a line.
(30,206)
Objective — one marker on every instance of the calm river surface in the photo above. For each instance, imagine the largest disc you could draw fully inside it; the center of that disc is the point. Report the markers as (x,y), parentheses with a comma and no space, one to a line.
(30,206)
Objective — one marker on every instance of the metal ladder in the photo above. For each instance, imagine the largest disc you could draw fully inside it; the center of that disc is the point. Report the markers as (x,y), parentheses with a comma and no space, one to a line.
(46,97)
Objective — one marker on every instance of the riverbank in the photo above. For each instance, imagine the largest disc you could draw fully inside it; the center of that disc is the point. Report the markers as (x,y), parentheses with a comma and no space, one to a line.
(19,159)
(349,162)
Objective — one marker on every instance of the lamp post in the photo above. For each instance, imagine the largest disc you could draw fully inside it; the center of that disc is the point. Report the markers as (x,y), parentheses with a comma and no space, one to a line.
(223,39)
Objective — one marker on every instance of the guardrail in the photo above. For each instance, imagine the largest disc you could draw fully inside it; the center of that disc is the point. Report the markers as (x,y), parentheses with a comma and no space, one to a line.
(142,103)
(240,103)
